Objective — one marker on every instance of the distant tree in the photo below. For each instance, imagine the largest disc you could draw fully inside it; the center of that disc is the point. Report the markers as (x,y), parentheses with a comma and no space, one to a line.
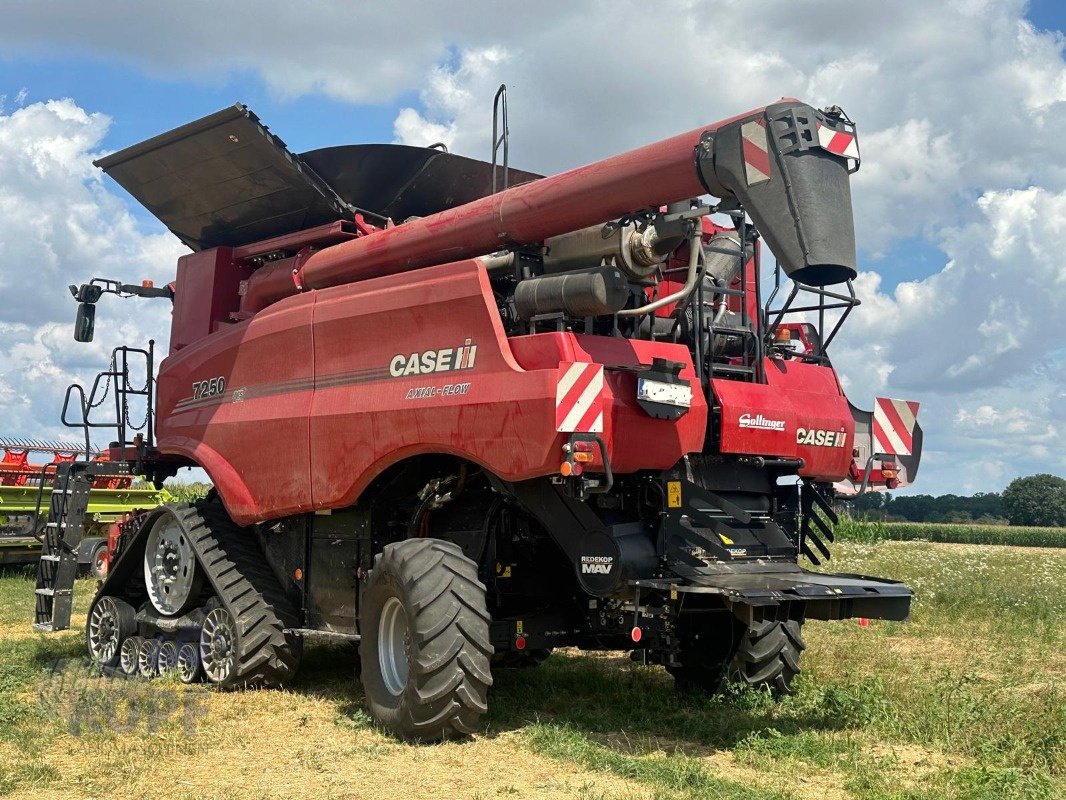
(1035,500)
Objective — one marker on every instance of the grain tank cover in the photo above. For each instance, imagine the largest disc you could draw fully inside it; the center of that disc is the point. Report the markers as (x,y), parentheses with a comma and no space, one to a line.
(224,180)
(398,181)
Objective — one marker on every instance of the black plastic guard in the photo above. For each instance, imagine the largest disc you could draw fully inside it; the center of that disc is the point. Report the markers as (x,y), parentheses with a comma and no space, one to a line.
(798,193)
(824,596)
(224,180)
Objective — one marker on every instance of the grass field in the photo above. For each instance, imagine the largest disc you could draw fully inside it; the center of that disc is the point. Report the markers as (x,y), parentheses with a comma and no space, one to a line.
(964,701)
(861,530)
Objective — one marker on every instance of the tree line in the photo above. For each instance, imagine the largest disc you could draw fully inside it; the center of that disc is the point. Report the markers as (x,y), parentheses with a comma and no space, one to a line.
(1033,500)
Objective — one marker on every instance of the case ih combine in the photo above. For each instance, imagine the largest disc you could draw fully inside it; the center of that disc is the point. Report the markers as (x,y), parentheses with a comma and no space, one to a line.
(557,414)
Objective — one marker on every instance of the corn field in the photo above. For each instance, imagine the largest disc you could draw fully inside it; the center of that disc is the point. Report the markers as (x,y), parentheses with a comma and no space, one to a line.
(860,530)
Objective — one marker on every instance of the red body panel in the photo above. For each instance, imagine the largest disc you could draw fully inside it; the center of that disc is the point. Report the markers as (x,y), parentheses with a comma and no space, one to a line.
(212,277)
(322,374)
(800,412)
(252,438)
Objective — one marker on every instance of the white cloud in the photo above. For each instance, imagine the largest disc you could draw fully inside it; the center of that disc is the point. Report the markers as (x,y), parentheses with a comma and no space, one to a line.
(58,225)
(959,105)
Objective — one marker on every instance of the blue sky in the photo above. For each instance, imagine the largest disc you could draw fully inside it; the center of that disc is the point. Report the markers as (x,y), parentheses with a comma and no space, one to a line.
(959,105)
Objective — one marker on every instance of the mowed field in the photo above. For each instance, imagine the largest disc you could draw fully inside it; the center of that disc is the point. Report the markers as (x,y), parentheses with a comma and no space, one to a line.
(965,701)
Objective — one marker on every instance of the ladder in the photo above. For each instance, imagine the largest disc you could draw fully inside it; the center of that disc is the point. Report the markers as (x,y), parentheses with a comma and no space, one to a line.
(62,533)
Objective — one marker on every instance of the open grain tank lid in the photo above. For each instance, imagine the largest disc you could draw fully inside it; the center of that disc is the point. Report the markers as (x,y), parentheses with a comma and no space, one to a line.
(226,180)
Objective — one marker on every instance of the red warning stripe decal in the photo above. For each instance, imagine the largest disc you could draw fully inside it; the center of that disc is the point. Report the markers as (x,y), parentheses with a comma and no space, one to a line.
(579,398)
(756,151)
(893,426)
(839,143)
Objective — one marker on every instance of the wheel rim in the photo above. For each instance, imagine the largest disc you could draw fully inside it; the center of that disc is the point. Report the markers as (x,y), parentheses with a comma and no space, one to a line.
(169,566)
(148,658)
(167,658)
(100,563)
(393,640)
(188,663)
(129,655)
(104,631)
(218,645)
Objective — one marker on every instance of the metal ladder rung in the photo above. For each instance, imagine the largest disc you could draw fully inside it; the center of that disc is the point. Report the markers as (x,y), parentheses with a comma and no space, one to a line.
(730,369)
(50,557)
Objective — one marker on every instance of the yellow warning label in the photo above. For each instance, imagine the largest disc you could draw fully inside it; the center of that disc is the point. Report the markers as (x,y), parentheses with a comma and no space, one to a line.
(725,539)
(673,494)
(518,627)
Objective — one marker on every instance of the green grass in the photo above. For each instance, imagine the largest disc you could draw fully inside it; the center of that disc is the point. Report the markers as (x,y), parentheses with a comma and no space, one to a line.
(860,530)
(965,702)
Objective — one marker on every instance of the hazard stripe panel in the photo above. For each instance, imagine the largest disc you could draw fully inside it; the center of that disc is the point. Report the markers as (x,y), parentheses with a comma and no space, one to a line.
(840,143)
(579,398)
(756,151)
(893,427)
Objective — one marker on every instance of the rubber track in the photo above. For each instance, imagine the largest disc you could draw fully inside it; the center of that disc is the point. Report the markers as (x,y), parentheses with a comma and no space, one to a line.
(769,656)
(247,588)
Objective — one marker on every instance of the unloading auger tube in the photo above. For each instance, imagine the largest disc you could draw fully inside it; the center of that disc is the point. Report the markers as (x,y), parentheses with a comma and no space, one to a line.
(768,161)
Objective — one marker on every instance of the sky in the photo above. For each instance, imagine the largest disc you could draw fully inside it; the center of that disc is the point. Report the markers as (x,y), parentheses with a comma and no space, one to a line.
(960,201)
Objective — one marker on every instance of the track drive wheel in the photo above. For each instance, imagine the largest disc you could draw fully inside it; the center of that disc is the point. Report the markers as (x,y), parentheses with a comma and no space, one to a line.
(769,656)
(425,647)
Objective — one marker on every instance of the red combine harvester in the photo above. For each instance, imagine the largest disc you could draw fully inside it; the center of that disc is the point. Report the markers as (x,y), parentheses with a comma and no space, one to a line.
(556,414)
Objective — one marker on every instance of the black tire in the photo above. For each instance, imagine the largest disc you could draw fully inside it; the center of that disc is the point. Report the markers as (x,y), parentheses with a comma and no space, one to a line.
(442,689)
(97,561)
(769,656)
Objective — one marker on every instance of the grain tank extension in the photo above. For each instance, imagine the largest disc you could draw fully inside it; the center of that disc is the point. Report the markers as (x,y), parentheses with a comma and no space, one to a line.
(559,414)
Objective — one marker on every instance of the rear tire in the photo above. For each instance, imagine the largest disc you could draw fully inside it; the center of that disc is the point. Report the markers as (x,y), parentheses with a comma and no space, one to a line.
(425,647)
(769,656)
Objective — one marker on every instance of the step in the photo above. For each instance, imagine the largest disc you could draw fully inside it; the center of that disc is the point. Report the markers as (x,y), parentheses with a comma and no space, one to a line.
(50,557)
(48,592)
(729,369)
(42,627)
(727,330)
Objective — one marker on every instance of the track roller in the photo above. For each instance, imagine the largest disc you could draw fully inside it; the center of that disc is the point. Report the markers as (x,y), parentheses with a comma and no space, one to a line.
(189,663)
(129,655)
(167,657)
(109,624)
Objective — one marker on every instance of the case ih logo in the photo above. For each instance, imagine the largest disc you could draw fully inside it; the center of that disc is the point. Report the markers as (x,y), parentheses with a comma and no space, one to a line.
(446,360)
(761,423)
(820,438)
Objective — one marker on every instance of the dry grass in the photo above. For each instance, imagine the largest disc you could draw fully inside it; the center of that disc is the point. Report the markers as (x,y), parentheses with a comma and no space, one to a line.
(966,701)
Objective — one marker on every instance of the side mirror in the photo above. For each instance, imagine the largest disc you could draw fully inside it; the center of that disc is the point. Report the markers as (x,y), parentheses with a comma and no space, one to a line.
(85,322)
